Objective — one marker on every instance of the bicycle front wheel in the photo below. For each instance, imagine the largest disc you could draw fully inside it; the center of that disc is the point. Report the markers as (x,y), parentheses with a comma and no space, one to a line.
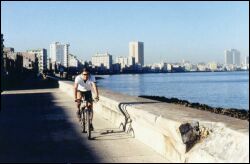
(88,124)
(83,122)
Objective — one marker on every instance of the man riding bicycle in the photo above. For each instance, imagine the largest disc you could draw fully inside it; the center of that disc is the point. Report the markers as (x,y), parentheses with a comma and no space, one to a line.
(83,85)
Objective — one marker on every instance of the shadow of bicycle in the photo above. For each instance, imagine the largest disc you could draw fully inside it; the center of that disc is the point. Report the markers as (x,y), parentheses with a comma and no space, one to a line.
(111,134)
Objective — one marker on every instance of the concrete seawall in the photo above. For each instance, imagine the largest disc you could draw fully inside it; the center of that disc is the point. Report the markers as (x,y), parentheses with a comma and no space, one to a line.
(179,133)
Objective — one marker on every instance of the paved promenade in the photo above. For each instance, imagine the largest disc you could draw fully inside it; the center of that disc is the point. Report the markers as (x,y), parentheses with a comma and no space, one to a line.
(40,125)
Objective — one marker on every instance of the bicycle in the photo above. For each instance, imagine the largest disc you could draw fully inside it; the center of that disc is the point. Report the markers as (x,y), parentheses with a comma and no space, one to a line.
(85,118)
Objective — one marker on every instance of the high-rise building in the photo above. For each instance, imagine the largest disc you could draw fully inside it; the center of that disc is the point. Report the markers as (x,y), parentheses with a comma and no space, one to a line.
(228,57)
(232,57)
(136,50)
(59,53)
(102,60)
(42,58)
(236,57)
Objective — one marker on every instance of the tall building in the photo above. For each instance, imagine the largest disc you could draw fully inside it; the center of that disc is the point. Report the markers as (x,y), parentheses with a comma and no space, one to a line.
(236,57)
(102,60)
(136,50)
(228,57)
(42,58)
(59,53)
(232,57)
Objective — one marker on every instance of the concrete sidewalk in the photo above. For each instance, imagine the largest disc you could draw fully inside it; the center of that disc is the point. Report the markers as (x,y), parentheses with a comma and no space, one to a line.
(41,126)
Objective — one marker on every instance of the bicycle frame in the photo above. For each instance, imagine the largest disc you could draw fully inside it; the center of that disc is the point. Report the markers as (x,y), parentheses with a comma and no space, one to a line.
(85,119)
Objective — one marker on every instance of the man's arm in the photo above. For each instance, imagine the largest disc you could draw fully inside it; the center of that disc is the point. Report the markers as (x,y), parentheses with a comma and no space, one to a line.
(96,90)
(75,90)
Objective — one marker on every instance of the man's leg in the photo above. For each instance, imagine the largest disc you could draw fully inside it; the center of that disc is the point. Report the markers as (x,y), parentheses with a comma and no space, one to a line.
(79,97)
(90,106)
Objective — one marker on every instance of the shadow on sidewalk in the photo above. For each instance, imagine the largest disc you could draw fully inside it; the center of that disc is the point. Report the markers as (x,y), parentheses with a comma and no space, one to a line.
(34,127)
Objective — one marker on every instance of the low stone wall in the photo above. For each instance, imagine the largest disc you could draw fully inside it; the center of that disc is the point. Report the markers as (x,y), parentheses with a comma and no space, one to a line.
(181,134)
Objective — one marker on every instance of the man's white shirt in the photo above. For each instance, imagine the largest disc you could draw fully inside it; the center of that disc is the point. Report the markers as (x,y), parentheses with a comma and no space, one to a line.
(84,86)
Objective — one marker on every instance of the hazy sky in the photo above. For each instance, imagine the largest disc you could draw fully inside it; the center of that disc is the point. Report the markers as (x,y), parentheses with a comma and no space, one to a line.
(171,31)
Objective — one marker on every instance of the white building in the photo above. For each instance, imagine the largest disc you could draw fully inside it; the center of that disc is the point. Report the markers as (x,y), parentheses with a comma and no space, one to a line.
(125,61)
(232,57)
(201,67)
(42,58)
(169,67)
(213,66)
(59,53)
(73,61)
(136,50)
(102,60)
(190,67)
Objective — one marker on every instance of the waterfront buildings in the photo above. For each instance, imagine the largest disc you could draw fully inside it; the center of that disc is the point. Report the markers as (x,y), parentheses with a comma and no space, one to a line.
(213,66)
(136,50)
(125,61)
(201,67)
(59,53)
(102,60)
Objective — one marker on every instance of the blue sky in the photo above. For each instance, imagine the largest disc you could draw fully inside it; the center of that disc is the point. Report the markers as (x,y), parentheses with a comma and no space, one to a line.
(171,31)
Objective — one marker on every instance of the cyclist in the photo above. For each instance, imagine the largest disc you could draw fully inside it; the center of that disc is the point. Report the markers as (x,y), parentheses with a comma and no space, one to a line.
(83,85)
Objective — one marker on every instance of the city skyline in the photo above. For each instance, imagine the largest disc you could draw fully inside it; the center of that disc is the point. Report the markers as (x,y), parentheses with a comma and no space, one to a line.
(51,56)
(171,31)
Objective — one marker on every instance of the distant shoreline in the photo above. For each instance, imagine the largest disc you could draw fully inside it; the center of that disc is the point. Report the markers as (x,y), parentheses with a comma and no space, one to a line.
(126,73)
(231,112)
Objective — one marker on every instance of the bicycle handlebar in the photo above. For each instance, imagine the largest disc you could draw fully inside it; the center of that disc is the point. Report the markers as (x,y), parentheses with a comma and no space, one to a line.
(94,100)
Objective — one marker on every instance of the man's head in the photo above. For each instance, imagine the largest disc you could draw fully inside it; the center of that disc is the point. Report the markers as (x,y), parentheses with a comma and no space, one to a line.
(85,74)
